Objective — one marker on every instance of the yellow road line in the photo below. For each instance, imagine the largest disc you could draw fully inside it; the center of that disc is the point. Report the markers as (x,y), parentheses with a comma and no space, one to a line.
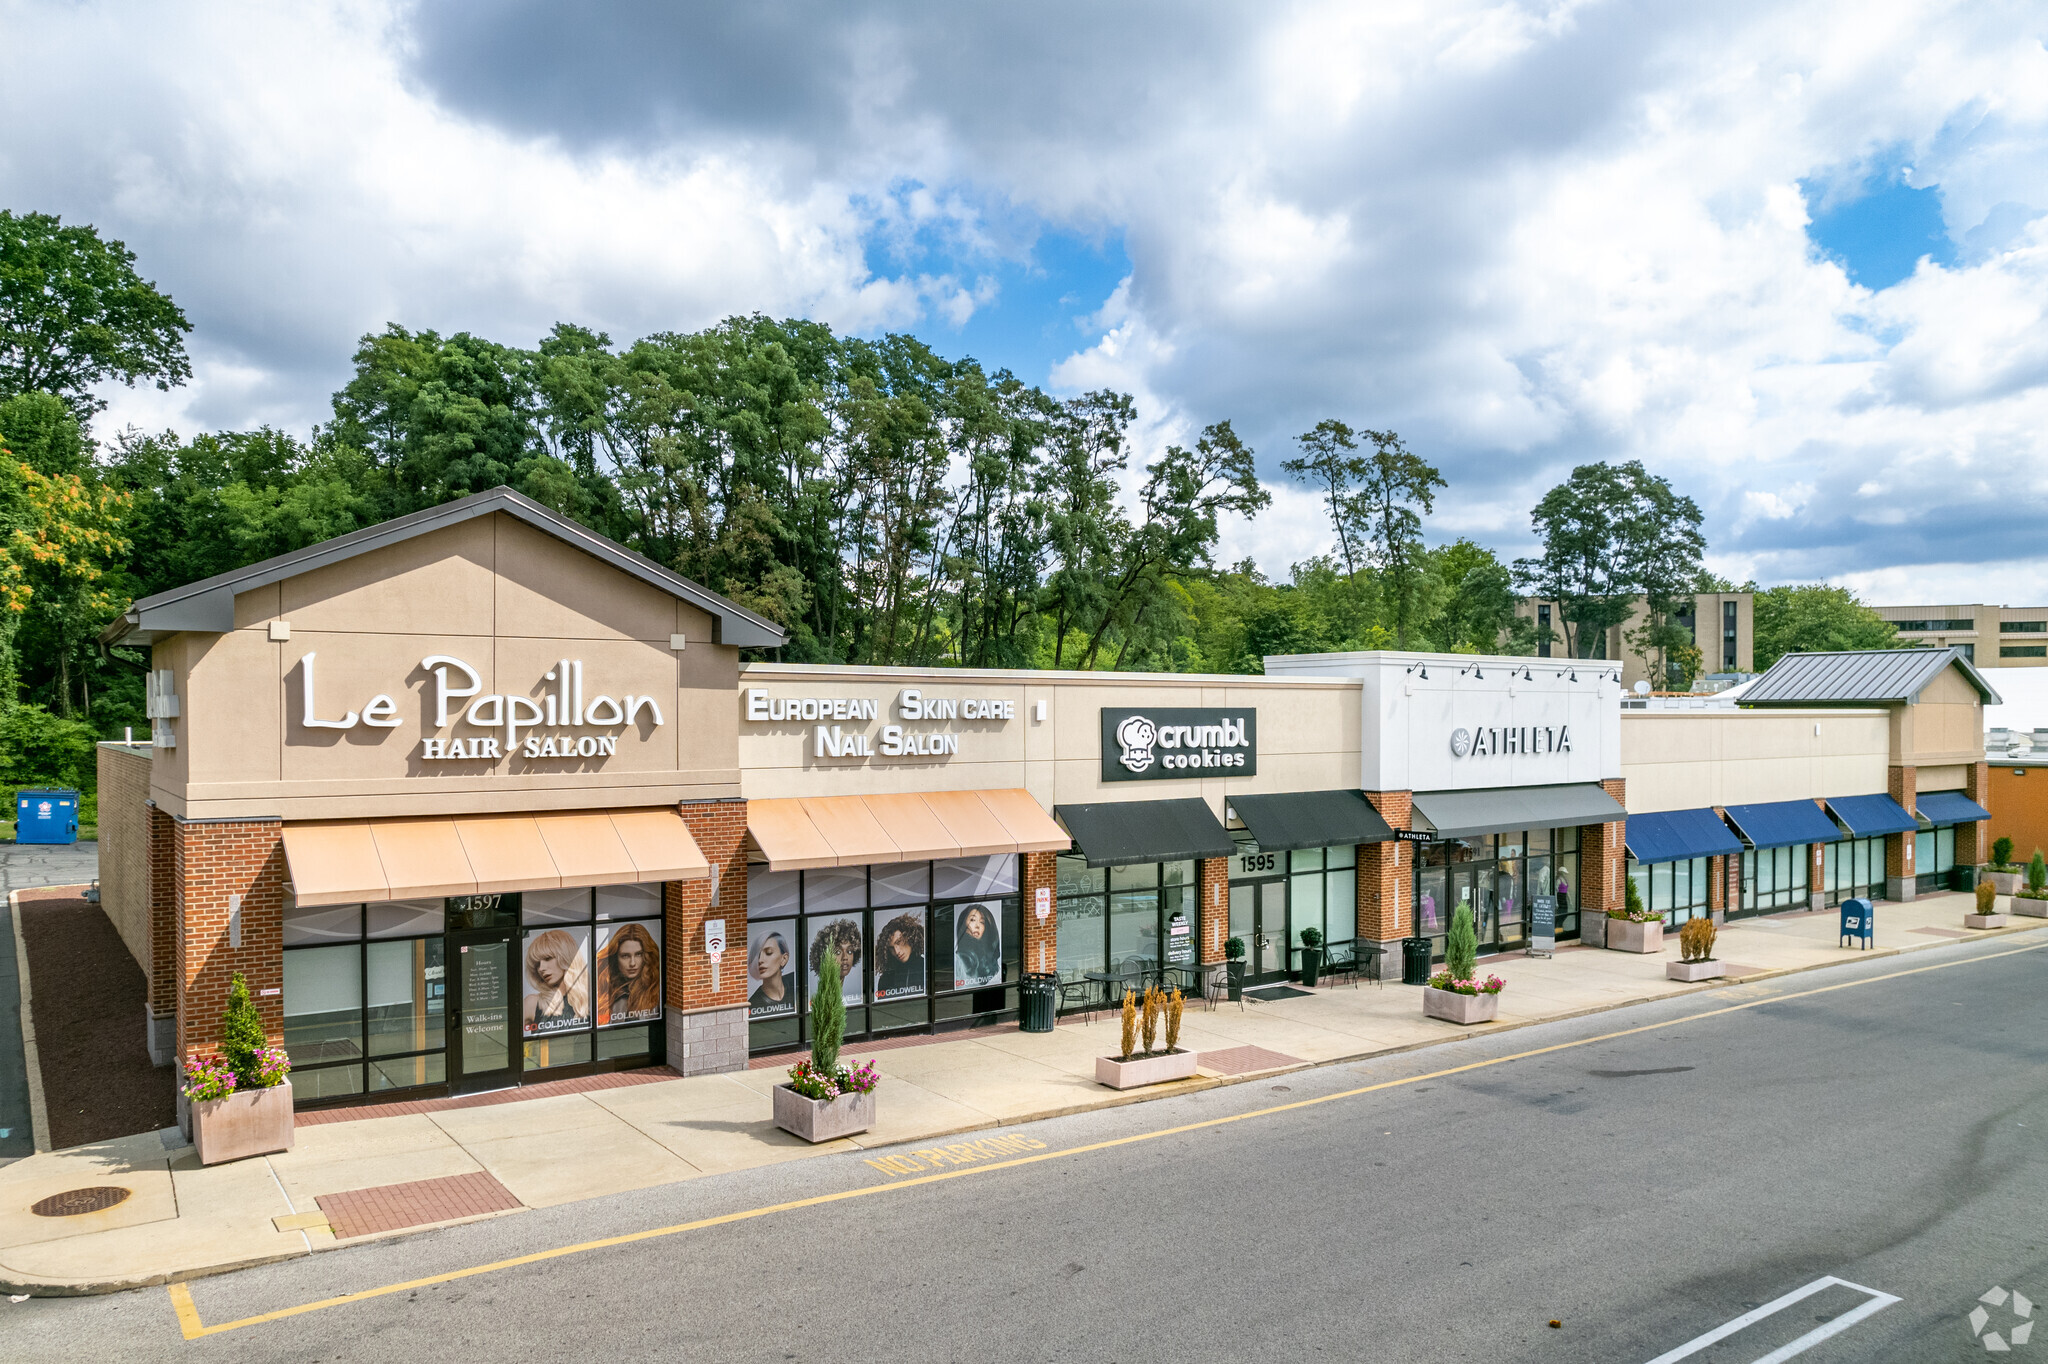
(190,1323)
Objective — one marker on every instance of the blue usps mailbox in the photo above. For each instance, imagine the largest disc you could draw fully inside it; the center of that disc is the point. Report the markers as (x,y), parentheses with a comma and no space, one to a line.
(1859,921)
(45,814)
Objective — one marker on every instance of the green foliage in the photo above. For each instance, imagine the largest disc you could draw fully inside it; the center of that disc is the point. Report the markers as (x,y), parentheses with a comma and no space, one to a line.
(1987,897)
(2037,872)
(1375,503)
(1311,937)
(2001,851)
(43,433)
(1233,949)
(1816,618)
(1632,902)
(74,313)
(241,1033)
(41,749)
(828,1015)
(1461,945)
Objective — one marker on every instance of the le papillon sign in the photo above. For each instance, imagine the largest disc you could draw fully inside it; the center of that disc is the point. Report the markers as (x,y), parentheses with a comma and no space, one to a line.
(564,721)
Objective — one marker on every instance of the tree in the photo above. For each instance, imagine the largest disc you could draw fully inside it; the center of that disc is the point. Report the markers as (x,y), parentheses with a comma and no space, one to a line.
(1611,533)
(1662,537)
(1816,618)
(1330,463)
(1397,490)
(1477,611)
(74,313)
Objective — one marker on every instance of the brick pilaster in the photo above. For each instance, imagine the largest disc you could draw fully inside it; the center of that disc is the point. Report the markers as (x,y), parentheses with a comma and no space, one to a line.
(1899,870)
(163,913)
(720,828)
(1041,940)
(1385,873)
(1973,840)
(212,861)
(1214,881)
(1603,859)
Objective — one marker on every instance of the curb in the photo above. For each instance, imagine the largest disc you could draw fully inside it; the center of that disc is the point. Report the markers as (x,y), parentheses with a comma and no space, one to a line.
(32,1062)
(14,1283)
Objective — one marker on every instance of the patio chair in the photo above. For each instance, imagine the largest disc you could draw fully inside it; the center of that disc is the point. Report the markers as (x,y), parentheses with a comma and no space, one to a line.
(1078,996)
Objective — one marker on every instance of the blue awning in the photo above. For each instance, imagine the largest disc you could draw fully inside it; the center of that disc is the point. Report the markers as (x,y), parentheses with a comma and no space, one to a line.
(1869,816)
(1950,807)
(1784,823)
(1673,835)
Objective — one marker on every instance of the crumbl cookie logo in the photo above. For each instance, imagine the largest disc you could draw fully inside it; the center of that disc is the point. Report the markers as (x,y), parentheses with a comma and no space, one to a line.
(1136,735)
(1162,743)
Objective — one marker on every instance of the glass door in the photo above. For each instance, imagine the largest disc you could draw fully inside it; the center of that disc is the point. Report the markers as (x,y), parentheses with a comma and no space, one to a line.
(1269,932)
(483,1051)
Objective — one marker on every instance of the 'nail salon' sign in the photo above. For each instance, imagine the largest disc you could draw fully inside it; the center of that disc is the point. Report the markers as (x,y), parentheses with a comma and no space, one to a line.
(565,720)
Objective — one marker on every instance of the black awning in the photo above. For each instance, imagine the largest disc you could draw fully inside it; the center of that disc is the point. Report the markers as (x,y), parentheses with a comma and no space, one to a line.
(1310,819)
(1506,809)
(1117,832)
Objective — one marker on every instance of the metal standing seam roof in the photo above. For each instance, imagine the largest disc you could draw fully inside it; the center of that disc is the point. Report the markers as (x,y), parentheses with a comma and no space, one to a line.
(1859,676)
(208,606)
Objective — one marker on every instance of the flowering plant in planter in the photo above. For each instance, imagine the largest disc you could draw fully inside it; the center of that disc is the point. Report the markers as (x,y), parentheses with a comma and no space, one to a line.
(806,1079)
(1444,980)
(1632,908)
(208,1080)
(823,1099)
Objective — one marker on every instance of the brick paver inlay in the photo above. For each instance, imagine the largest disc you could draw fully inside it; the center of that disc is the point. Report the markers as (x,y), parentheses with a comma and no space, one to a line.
(363,1212)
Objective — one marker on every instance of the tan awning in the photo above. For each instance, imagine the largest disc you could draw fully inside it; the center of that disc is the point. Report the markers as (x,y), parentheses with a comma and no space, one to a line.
(852,831)
(339,862)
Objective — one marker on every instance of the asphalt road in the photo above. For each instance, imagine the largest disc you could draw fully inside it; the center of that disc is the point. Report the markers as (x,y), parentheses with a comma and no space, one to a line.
(1642,1189)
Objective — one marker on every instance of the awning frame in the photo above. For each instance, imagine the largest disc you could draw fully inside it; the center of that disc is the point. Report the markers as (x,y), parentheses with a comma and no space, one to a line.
(1292,820)
(1506,809)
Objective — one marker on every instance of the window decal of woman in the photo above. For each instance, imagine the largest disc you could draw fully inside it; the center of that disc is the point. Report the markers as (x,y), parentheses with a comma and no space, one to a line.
(558,994)
(841,937)
(977,947)
(629,977)
(899,957)
(772,972)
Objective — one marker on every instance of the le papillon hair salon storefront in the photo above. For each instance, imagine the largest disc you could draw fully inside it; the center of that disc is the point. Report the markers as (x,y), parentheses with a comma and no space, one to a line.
(476,798)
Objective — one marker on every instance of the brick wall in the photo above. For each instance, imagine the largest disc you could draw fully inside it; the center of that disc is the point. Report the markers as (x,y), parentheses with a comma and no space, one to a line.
(1898,862)
(1214,886)
(1973,840)
(164,899)
(124,847)
(1041,940)
(213,860)
(720,828)
(1603,859)
(1385,873)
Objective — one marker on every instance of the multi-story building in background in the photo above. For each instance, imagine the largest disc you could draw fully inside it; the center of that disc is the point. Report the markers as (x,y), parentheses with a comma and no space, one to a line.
(1989,636)
(1723,624)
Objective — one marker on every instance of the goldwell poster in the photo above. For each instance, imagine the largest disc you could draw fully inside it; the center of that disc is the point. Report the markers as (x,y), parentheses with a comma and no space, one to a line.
(771,969)
(840,935)
(977,944)
(557,971)
(899,954)
(628,972)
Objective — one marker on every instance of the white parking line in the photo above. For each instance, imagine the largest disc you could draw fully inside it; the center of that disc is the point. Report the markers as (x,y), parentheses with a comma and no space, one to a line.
(1878,1302)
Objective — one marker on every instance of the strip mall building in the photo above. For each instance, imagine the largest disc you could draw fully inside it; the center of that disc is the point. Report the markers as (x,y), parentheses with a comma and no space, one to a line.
(477,798)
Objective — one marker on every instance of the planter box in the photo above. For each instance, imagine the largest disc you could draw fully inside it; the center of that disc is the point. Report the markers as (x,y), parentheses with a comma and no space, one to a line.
(1984,921)
(1453,1007)
(1624,936)
(1695,970)
(1144,1070)
(2008,882)
(823,1119)
(1311,965)
(255,1122)
(2033,909)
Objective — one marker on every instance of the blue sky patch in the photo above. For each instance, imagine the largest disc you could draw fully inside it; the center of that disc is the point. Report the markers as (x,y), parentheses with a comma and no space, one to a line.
(1879,230)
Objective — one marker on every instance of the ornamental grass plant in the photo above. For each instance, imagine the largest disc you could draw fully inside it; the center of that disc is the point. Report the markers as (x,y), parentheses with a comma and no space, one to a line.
(1987,898)
(1130,1037)
(1696,939)
(1174,1005)
(1153,1003)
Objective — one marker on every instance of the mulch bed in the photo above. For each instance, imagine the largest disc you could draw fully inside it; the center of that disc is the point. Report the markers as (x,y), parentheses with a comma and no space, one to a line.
(87,996)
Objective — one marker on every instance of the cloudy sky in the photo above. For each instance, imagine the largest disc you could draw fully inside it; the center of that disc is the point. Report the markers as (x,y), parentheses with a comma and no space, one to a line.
(1792,255)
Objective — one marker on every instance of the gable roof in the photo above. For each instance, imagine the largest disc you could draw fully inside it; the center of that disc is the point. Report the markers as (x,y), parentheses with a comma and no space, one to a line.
(208,606)
(1859,677)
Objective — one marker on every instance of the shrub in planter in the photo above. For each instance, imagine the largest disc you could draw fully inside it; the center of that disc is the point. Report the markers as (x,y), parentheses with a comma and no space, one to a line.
(1695,952)
(1461,999)
(1311,955)
(823,1099)
(1134,1067)
(242,1100)
(1987,898)
(1461,945)
(1233,967)
(2037,873)
(2001,851)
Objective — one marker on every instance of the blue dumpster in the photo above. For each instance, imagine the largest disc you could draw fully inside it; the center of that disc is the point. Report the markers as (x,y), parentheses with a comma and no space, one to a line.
(1859,922)
(45,814)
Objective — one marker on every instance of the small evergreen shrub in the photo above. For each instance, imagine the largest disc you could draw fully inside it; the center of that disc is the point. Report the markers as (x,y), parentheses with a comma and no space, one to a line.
(828,1016)
(242,1039)
(2037,872)
(1311,937)
(2001,851)
(1461,946)
(1233,950)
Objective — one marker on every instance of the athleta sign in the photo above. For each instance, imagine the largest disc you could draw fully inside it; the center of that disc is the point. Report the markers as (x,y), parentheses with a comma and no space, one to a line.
(1493,743)
(1177,743)
(514,725)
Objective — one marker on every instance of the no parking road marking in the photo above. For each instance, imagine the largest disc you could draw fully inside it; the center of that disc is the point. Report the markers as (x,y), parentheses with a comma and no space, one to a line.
(1877,1303)
(957,1153)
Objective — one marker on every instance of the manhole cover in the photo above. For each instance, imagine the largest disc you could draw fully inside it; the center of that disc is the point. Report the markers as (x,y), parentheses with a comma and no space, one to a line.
(72,1202)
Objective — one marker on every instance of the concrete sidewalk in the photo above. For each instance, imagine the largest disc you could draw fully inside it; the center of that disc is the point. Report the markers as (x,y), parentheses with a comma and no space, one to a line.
(182,1221)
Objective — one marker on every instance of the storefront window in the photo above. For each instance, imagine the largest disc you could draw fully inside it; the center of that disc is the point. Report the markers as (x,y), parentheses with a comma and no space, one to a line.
(365,995)
(1775,878)
(1855,867)
(1934,856)
(918,944)
(590,963)
(1676,890)
(1497,875)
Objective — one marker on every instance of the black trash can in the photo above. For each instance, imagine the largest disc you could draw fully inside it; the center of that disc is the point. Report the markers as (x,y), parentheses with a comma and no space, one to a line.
(1037,1001)
(1962,878)
(1415,954)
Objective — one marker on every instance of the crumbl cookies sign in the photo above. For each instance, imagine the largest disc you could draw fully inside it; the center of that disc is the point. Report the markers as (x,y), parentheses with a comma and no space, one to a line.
(558,723)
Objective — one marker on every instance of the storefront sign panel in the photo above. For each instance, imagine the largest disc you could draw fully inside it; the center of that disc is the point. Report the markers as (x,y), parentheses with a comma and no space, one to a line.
(842,728)
(1179,743)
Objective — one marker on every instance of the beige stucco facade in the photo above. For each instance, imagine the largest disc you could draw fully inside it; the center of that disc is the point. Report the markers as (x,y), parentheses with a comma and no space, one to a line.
(1945,725)
(1308,732)
(1678,760)
(508,602)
